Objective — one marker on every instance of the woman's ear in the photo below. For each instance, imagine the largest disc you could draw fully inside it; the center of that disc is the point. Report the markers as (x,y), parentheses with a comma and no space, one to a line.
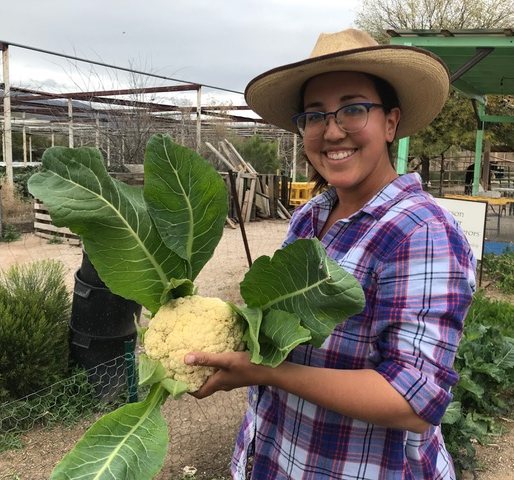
(393,118)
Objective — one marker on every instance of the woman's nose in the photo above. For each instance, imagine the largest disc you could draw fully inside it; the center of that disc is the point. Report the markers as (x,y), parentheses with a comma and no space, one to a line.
(332,129)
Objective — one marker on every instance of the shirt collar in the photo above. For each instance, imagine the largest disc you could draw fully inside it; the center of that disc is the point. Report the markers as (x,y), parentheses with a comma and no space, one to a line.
(391,194)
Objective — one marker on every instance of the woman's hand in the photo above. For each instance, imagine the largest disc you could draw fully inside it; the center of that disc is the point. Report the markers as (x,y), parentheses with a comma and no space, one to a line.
(361,394)
(234,371)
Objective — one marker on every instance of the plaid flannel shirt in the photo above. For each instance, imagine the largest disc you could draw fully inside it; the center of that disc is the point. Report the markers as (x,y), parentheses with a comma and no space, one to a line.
(418,274)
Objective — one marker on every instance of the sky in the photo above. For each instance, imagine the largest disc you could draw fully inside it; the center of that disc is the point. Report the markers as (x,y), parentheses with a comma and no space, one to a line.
(221,43)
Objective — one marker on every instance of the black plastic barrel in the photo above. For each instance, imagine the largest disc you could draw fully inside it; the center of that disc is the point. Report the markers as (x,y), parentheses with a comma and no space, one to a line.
(100,325)
(88,273)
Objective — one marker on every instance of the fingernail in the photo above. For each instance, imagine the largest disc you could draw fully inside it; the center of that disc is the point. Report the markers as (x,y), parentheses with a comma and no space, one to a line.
(189,359)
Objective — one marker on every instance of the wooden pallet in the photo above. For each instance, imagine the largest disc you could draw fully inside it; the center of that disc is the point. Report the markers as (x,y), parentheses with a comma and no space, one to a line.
(44,228)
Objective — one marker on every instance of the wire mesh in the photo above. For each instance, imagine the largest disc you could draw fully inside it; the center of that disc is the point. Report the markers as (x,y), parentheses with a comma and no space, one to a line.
(86,392)
(38,430)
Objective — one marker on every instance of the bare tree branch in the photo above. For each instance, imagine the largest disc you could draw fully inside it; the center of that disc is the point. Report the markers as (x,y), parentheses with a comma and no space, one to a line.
(376,16)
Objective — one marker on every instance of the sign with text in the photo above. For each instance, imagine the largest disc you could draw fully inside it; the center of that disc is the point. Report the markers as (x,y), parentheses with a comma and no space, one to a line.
(471,216)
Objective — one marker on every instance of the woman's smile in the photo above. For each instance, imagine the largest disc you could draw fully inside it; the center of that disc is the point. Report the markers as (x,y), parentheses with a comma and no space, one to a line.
(335,155)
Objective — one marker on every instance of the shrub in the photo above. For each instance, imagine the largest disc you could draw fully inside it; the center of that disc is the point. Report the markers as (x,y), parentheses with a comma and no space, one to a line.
(34,308)
(10,233)
(485,363)
(500,268)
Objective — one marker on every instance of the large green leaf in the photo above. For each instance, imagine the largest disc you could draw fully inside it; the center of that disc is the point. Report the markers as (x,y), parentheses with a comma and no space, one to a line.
(270,338)
(129,443)
(506,356)
(111,218)
(303,280)
(280,333)
(253,319)
(453,413)
(187,200)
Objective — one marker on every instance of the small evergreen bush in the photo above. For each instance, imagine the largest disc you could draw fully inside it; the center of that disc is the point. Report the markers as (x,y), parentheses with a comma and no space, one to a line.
(10,233)
(34,309)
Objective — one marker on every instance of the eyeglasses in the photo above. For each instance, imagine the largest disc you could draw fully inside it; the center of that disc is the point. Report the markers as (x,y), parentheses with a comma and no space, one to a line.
(350,118)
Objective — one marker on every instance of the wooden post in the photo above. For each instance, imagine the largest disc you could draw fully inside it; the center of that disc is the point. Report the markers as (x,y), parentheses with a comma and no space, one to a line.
(251,196)
(295,147)
(486,166)
(97,131)
(198,118)
(70,123)
(7,133)
(24,135)
(272,193)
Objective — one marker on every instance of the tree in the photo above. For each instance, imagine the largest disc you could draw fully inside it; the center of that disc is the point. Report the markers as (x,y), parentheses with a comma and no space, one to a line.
(262,155)
(455,126)
(377,16)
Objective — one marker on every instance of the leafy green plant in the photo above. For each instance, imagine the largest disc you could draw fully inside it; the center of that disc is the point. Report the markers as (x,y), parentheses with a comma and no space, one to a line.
(20,179)
(54,240)
(10,233)
(260,153)
(34,305)
(149,245)
(500,268)
(485,363)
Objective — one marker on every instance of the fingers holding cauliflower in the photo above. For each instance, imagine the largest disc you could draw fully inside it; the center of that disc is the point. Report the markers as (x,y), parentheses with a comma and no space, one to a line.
(192,323)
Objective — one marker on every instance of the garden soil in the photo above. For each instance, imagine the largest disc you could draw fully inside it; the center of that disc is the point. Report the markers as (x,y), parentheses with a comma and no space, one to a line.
(42,449)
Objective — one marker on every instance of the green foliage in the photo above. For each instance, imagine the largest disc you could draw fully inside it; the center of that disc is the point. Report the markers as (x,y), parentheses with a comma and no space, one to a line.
(261,154)
(55,240)
(135,222)
(140,254)
(500,268)
(485,363)
(454,127)
(34,308)
(10,233)
(500,134)
(20,178)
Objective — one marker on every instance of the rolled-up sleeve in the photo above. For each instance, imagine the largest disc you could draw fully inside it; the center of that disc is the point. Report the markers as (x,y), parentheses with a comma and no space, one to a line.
(424,288)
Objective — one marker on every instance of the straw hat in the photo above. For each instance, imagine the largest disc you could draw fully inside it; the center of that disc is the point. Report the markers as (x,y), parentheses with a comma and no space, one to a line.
(420,78)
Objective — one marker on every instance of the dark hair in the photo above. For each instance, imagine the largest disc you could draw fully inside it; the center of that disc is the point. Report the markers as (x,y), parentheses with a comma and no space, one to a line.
(388,98)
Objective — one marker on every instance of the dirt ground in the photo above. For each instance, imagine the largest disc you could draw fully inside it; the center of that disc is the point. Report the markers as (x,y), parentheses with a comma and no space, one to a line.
(220,277)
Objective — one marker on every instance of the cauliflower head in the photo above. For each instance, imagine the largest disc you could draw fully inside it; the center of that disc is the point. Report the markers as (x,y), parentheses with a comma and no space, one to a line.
(192,323)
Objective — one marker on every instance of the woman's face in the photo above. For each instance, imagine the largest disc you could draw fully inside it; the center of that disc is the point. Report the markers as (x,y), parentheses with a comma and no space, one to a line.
(352,162)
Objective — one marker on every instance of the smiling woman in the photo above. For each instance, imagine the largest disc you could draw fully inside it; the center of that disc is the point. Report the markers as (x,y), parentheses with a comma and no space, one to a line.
(368,402)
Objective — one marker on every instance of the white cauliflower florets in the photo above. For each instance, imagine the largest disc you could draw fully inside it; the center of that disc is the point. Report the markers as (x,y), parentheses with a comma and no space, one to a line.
(190,324)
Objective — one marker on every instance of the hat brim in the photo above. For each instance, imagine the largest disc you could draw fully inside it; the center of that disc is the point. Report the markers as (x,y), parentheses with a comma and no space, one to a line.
(420,79)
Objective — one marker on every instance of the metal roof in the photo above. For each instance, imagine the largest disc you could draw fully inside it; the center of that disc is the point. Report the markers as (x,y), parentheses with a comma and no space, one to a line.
(481,62)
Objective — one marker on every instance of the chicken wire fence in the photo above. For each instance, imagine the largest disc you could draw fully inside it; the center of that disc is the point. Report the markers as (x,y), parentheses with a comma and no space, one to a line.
(201,436)
(86,392)
(202,433)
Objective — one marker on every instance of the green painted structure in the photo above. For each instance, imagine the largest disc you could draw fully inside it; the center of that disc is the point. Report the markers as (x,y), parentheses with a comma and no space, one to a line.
(481,63)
